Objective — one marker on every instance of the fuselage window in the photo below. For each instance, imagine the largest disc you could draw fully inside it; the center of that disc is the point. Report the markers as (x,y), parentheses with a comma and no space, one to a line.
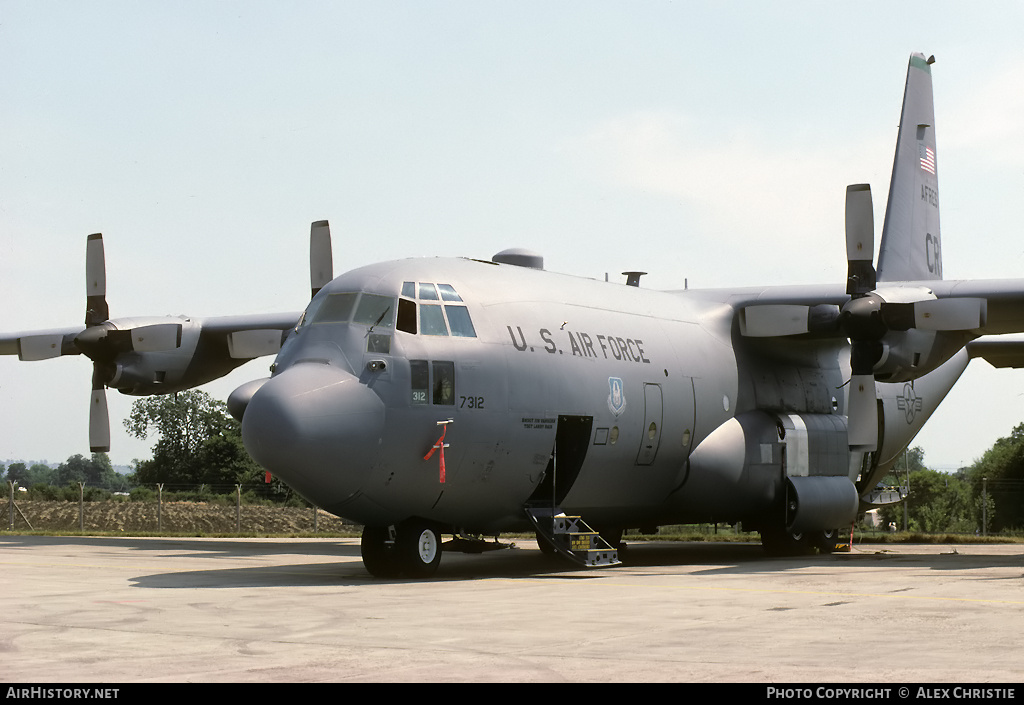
(432,320)
(444,383)
(458,318)
(428,292)
(376,311)
(406,316)
(377,343)
(448,293)
(420,374)
(336,308)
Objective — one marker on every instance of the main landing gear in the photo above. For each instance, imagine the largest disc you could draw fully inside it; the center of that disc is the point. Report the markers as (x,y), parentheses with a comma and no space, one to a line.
(411,549)
(779,542)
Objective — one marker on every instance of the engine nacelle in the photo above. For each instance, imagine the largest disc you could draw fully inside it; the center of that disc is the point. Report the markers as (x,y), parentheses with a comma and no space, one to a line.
(909,355)
(821,502)
(196,360)
(912,348)
(775,469)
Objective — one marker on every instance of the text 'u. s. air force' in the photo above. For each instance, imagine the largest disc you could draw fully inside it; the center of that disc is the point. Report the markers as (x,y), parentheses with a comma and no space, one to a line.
(579,344)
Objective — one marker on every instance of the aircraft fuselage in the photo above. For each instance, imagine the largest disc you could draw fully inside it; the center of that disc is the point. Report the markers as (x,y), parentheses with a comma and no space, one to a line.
(520,355)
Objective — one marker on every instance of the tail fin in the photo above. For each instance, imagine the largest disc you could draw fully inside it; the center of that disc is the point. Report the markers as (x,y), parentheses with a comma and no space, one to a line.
(911,247)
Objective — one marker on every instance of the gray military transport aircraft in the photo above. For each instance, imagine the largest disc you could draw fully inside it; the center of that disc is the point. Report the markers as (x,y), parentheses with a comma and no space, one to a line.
(464,397)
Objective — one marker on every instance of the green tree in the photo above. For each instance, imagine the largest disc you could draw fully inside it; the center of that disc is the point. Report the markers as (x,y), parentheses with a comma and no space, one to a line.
(41,474)
(1001,471)
(938,502)
(18,473)
(94,472)
(198,441)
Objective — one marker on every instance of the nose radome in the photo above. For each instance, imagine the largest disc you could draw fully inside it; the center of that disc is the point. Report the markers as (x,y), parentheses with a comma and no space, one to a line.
(315,427)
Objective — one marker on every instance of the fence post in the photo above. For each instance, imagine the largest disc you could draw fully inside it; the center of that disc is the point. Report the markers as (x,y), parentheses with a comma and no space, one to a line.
(159,507)
(984,506)
(81,507)
(12,484)
(238,509)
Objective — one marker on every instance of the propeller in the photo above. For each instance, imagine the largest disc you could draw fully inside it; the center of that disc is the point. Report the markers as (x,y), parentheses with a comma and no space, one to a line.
(110,344)
(321,260)
(860,319)
(96,313)
(866,318)
(103,341)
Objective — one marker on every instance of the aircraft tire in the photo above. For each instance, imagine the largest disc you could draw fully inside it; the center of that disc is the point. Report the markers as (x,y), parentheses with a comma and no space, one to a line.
(418,548)
(379,557)
(781,543)
(825,540)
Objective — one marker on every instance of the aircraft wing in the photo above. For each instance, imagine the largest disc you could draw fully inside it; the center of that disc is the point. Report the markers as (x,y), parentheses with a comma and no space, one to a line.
(38,344)
(251,336)
(994,306)
(160,354)
(998,352)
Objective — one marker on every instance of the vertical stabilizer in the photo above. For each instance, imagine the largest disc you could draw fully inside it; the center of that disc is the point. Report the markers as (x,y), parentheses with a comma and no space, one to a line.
(911,247)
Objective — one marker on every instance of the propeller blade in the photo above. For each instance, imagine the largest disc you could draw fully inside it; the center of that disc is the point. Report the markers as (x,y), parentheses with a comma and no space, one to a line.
(950,314)
(152,338)
(99,419)
(768,320)
(860,239)
(862,414)
(39,347)
(247,344)
(96,310)
(321,260)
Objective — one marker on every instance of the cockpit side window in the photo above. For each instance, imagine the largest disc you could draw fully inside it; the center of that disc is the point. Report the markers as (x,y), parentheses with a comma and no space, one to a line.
(444,383)
(406,316)
(377,311)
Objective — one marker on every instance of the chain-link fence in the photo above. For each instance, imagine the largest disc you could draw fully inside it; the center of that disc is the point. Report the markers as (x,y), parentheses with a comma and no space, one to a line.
(201,512)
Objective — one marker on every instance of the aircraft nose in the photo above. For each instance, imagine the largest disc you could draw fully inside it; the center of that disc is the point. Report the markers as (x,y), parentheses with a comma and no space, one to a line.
(315,427)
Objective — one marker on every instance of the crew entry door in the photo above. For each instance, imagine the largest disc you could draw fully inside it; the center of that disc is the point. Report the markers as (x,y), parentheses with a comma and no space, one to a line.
(651,437)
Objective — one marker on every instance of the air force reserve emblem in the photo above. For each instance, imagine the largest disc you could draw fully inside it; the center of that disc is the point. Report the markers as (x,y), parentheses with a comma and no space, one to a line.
(616,396)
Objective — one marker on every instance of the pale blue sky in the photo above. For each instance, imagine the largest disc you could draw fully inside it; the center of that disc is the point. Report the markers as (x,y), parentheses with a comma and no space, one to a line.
(703,140)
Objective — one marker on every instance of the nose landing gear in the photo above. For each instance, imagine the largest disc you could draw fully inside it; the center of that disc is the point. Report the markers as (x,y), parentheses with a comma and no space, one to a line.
(411,549)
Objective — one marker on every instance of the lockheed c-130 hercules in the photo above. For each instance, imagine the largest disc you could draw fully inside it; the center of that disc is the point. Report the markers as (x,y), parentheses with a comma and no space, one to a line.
(428,397)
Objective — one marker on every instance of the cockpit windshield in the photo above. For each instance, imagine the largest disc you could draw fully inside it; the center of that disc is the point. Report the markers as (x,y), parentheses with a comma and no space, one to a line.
(377,311)
(445,314)
(367,309)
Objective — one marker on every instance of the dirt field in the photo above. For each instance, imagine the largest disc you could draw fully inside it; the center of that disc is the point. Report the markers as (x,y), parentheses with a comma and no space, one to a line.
(175,517)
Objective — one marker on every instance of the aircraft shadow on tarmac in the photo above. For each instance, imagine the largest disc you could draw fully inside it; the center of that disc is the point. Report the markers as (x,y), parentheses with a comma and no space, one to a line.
(515,562)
